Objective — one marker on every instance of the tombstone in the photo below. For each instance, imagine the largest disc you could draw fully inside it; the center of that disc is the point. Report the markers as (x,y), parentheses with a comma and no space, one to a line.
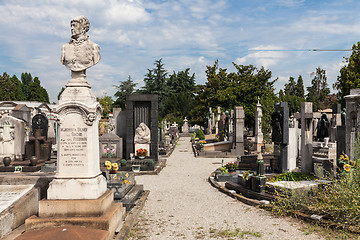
(218,118)
(78,193)
(306,137)
(280,134)
(231,126)
(38,144)
(323,128)
(185,127)
(12,138)
(221,128)
(239,126)
(293,145)
(335,121)
(352,120)
(142,108)
(209,119)
(21,111)
(111,141)
(259,138)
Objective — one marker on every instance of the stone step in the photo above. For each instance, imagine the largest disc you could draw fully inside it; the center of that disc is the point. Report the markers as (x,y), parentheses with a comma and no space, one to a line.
(129,200)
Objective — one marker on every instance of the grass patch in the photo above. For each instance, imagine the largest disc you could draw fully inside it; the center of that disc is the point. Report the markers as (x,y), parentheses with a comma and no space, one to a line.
(232,233)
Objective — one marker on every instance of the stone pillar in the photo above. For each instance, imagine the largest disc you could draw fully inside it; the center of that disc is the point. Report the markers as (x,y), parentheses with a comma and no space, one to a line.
(239,126)
(306,137)
(210,126)
(352,120)
(258,132)
(231,126)
(217,120)
(185,127)
(280,134)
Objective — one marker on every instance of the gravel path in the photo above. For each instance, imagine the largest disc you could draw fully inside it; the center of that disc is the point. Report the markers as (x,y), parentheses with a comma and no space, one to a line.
(183,205)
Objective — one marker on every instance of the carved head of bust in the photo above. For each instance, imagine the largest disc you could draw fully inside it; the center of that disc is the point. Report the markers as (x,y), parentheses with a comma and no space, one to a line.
(79,26)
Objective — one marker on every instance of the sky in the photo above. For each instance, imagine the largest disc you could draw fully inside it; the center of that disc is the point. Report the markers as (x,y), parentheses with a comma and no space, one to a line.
(133,34)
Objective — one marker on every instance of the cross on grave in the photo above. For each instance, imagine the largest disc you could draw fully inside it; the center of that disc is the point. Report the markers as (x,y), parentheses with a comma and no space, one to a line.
(38,139)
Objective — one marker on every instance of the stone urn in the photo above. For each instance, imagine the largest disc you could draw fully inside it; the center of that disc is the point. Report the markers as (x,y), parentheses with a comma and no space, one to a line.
(6,161)
(33,161)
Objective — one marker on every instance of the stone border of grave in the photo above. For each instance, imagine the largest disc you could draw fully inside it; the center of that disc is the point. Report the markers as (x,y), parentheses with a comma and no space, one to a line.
(132,216)
(266,205)
(158,167)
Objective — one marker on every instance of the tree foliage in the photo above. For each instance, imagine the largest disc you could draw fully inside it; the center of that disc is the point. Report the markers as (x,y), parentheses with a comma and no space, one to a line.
(106,103)
(318,91)
(293,94)
(349,74)
(240,88)
(28,89)
(125,88)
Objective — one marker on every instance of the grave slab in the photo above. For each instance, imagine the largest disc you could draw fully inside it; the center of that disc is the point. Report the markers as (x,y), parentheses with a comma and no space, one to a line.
(17,202)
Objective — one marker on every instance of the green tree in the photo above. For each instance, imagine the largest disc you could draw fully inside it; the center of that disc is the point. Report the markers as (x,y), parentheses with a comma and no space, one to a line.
(293,94)
(349,74)
(106,103)
(180,101)
(318,91)
(59,94)
(125,88)
(10,88)
(156,83)
(35,92)
(240,88)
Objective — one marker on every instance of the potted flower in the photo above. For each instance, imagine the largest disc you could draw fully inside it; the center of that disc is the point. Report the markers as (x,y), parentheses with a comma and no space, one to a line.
(123,177)
(112,168)
(141,153)
(231,167)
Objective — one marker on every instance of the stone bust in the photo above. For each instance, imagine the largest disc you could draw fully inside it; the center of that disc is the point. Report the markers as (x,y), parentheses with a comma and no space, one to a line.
(80,53)
(142,134)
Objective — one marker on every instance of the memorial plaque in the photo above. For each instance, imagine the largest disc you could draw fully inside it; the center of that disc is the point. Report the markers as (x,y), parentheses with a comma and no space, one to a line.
(73,147)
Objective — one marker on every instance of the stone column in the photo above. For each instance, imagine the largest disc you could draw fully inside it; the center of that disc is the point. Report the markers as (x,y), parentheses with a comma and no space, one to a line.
(239,126)
(210,126)
(217,120)
(306,137)
(258,132)
(352,120)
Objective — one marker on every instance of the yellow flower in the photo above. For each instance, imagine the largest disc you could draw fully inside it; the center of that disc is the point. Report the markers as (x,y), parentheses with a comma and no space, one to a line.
(125,181)
(114,164)
(128,182)
(116,167)
(127,175)
(108,167)
(107,163)
(354,163)
(347,167)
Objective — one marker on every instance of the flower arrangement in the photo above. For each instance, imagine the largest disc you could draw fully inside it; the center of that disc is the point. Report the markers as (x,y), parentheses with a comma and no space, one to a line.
(202,142)
(141,152)
(112,167)
(345,163)
(246,175)
(231,166)
(109,152)
(123,177)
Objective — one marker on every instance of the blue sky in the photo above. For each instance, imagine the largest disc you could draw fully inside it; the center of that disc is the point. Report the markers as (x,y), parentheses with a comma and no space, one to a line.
(132,34)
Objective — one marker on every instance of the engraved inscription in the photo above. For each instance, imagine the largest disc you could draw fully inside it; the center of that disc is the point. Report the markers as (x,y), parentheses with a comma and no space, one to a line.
(73,146)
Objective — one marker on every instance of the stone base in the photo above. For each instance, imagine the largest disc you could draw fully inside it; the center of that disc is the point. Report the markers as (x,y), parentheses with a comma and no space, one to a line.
(80,188)
(101,214)
(144,146)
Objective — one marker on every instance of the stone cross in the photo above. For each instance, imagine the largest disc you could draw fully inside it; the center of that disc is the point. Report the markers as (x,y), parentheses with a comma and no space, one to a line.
(239,126)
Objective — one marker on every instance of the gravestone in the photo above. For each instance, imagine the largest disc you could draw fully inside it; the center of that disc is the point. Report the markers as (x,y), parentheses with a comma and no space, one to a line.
(38,144)
(280,134)
(12,137)
(142,108)
(17,202)
(352,120)
(21,111)
(259,137)
(239,126)
(335,121)
(209,119)
(78,193)
(185,127)
(218,118)
(306,137)
(111,141)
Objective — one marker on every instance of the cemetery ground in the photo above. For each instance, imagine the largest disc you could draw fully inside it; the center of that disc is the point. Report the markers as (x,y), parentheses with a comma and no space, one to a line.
(183,205)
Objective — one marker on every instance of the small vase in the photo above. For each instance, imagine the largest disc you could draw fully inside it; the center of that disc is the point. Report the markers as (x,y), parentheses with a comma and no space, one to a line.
(33,161)
(7,161)
(233,172)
